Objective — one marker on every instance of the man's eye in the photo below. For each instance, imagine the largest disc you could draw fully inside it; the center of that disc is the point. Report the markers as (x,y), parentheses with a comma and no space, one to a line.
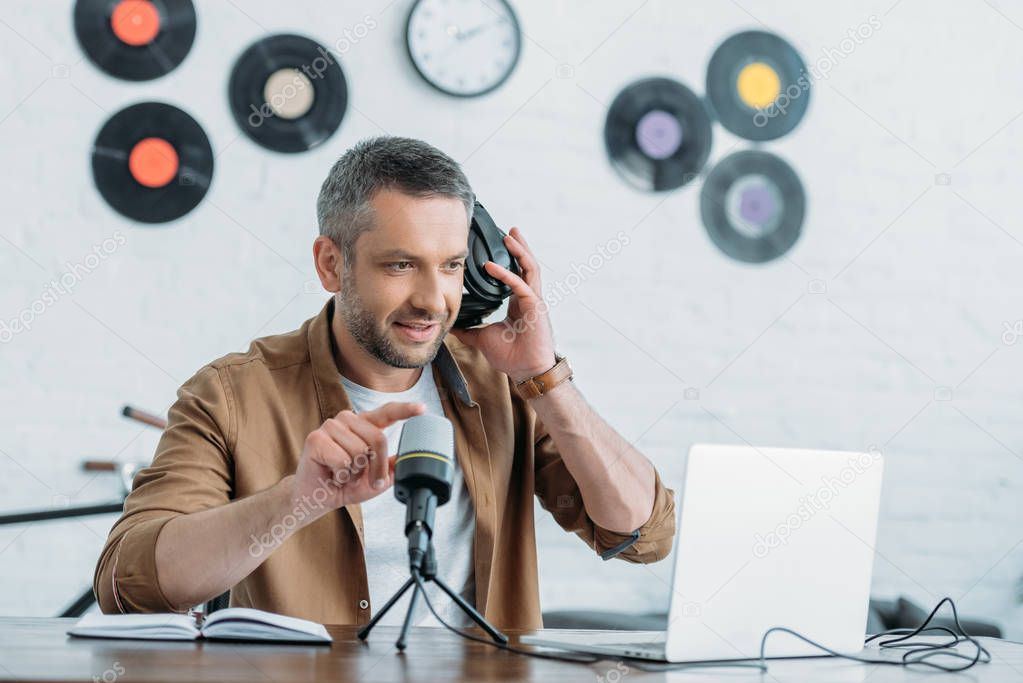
(456,265)
(399,265)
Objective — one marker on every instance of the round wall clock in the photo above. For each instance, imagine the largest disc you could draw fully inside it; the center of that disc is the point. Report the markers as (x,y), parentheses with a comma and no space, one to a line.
(463,48)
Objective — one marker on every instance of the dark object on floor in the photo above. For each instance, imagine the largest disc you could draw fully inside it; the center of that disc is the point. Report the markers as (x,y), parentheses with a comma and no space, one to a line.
(904,613)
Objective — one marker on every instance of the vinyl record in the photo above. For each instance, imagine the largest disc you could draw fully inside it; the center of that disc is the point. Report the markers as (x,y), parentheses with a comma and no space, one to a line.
(752,205)
(758,85)
(152,162)
(657,134)
(288,93)
(136,40)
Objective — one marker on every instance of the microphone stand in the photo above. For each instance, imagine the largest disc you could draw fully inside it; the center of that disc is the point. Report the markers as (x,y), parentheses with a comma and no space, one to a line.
(428,573)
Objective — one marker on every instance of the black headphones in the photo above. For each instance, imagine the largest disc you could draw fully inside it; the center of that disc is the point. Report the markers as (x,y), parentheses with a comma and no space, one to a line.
(483,293)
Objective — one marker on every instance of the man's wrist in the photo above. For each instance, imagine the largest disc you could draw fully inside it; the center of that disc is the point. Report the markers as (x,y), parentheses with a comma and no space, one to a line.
(538,385)
(552,396)
(522,376)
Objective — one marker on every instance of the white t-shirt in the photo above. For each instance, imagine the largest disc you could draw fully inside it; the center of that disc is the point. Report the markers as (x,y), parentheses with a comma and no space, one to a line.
(384,524)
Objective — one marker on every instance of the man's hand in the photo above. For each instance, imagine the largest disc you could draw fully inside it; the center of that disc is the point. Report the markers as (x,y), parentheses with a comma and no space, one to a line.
(202,554)
(522,345)
(345,460)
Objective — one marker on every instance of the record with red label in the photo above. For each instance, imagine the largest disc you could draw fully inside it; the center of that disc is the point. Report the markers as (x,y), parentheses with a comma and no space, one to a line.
(657,134)
(152,162)
(136,40)
(288,93)
(752,205)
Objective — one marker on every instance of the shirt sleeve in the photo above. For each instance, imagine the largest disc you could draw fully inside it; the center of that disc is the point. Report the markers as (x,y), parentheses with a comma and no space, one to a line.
(559,494)
(191,471)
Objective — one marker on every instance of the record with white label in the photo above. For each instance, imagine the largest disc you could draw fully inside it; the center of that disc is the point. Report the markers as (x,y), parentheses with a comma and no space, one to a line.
(152,162)
(288,93)
(657,134)
(758,85)
(752,205)
(136,40)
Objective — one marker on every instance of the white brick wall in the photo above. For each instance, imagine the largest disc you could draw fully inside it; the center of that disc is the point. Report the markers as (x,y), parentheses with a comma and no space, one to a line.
(920,278)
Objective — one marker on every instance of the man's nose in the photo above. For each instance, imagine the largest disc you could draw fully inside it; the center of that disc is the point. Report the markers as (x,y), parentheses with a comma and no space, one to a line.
(428,296)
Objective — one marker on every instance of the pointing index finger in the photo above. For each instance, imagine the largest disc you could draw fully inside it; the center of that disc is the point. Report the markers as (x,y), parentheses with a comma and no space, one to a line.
(389,413)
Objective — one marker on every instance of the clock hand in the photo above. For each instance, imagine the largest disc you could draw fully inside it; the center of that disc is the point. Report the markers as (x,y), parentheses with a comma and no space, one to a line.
(465,35)
(461,36)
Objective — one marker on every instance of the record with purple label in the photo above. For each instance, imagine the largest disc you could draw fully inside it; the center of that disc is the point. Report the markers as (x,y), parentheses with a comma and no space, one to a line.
(136,40)
(752,205)
(657,134)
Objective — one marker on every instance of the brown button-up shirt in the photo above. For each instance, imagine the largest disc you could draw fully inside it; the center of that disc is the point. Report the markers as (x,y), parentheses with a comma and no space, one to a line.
(238,427)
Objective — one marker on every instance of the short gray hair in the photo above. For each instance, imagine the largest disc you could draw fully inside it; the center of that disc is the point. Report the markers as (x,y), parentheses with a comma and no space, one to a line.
(414,167)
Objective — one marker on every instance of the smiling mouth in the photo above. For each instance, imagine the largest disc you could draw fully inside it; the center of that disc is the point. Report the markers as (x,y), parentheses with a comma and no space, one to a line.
(417,331)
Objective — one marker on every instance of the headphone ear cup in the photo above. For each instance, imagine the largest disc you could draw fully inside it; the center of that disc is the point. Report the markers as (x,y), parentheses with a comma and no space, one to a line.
(486,243)
(484,293)
(478,281)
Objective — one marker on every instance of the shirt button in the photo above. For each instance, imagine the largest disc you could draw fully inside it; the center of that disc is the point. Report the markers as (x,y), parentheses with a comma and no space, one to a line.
(363,604)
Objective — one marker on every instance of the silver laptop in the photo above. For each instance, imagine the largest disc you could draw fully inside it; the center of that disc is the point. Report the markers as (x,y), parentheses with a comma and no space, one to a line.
(765,537)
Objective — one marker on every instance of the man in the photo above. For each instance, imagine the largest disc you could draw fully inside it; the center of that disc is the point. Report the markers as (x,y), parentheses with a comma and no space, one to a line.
(273,477)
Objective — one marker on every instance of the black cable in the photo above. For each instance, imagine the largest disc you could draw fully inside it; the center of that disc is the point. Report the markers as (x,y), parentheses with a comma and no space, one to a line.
(981,654)
(909,658)
(580,659)
(897,631)
(918,654)
(655,666)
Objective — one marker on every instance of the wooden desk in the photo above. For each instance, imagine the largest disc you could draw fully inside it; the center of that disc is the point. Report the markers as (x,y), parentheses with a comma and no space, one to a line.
(39,650)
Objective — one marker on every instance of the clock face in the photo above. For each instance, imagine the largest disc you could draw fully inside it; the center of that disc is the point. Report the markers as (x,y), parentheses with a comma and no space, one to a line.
(463,47)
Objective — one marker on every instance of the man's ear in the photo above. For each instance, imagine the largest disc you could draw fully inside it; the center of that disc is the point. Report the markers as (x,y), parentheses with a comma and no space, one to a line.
(329,263)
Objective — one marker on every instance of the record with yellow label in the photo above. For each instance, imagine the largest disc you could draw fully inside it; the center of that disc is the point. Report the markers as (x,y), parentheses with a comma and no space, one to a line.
(758,85)
(752,205)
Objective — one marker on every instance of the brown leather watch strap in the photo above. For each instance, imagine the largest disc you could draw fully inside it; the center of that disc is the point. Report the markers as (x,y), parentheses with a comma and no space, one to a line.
(537,386)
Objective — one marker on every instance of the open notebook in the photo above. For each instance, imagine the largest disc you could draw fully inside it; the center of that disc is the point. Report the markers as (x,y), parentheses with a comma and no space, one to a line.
(233,623)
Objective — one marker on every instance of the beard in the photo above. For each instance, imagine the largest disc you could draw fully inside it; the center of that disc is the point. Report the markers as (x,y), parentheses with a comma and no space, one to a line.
(362,325)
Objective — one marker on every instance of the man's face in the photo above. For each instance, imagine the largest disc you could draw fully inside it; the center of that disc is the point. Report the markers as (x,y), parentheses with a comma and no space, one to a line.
(401,296)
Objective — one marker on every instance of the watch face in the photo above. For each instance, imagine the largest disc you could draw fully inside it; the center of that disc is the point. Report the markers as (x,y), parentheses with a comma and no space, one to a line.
(463,47)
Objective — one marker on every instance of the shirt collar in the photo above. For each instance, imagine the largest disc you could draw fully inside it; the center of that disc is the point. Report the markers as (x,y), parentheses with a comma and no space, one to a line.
(327,378)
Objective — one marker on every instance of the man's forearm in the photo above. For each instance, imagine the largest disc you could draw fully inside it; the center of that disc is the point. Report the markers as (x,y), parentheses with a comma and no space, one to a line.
(203,554)
(615,479)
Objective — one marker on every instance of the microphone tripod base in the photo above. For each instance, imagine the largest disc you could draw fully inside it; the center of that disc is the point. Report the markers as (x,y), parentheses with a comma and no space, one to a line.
(416,583)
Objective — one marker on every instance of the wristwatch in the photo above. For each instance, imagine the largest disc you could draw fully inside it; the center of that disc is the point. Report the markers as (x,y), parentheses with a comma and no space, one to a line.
(538,385)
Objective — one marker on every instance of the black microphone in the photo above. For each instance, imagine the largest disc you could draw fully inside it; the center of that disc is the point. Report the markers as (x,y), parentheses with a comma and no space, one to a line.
(423,472)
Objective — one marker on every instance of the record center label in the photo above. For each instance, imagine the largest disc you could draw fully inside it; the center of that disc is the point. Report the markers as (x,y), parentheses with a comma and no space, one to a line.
(758,85)
(153,162)
(658,134)
(289,93)
(135,22)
